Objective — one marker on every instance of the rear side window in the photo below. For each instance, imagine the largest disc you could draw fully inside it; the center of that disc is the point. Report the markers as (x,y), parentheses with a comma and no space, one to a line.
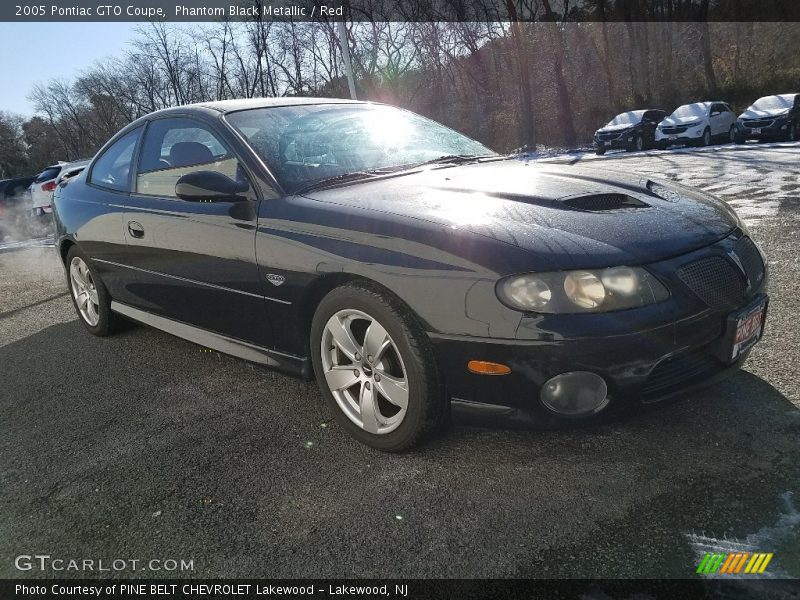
(48,174)
(112,169)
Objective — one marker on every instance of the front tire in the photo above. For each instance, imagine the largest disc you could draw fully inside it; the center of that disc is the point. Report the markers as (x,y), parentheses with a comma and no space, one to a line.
(794,132)
(706,140)
(89,296)
(599,150)
(375,368)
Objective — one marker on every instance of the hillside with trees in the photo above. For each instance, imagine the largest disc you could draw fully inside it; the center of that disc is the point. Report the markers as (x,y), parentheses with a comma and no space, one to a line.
(550,82)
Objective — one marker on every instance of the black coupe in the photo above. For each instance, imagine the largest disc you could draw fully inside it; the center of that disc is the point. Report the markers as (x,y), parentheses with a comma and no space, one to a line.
(407,266)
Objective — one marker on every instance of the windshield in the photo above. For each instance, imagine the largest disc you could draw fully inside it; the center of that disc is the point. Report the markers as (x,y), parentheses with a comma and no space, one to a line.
(691,110)
(773,103)
(306,144)
(628,118)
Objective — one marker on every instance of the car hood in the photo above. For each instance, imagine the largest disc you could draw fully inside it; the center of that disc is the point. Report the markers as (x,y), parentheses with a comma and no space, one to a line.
(610,128)
(760,114)
(532,207)
(682,120)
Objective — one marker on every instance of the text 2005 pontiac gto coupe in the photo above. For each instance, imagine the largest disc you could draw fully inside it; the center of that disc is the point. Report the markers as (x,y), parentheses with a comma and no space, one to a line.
(406,266)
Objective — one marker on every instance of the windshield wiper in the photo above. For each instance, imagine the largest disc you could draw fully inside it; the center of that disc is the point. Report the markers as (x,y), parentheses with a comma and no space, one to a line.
(342,178)
(456,159)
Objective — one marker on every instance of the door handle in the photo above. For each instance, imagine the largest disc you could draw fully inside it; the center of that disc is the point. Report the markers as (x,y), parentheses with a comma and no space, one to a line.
(135,229)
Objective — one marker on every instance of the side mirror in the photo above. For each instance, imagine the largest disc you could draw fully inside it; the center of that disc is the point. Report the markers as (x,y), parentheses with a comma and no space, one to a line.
(209,186)
(714,113)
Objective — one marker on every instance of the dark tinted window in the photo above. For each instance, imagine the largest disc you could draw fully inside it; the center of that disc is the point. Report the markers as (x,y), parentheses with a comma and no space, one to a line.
(174,143)
(48,174)
(174,147)
(113,168)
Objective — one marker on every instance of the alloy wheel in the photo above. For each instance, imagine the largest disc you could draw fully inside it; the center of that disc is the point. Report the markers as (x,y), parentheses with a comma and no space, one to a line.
(364,371)
(639,143)
(706,138)
(84,291)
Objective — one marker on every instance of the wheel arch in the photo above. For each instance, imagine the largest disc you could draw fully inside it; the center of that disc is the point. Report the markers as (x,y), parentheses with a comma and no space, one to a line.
(63,249)
(324,284)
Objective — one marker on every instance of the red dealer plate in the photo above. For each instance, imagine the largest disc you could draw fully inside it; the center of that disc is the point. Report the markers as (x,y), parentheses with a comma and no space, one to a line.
(749,325)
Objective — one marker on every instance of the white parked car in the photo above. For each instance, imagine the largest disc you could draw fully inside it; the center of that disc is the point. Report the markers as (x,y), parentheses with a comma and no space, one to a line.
(71,170)
(45,184)
(697,124)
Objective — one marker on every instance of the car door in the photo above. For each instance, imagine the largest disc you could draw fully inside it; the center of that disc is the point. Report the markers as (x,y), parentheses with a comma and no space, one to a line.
(650,120)
(729,117)
(193,260)
(719,123)
(713,119)
(102,204)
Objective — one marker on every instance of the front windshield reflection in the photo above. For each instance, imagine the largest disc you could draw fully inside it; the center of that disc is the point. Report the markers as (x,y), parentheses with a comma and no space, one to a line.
(305,144)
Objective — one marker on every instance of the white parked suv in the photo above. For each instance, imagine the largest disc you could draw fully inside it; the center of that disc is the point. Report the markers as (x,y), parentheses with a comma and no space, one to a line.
(697,124)
(45,184)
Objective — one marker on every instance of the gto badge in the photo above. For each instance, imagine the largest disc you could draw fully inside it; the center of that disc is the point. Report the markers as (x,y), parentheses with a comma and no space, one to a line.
(275,279)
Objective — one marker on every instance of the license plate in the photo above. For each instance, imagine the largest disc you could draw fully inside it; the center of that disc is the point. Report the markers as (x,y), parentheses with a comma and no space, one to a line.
(748,328)
(673,137)
(755,130)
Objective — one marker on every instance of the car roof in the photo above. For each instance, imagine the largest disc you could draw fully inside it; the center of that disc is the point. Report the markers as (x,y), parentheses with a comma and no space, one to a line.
(77,163)
(226,106)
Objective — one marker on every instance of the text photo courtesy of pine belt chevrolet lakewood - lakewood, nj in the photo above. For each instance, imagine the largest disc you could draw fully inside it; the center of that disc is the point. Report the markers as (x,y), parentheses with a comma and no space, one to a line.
(400,299)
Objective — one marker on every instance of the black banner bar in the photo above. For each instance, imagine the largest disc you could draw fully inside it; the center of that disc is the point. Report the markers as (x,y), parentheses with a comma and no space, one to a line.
(400,10)
(732,588)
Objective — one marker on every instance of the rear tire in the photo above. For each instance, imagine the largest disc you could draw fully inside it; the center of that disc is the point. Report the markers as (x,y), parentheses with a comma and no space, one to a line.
(89,296)
(375,368)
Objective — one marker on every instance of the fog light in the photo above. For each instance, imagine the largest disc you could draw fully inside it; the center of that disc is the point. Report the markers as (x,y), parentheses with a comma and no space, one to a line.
(575,393)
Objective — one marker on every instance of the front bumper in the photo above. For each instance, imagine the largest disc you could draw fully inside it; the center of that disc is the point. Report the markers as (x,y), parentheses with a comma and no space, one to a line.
(620,142)
(690,136)
(644,355)
(776,129)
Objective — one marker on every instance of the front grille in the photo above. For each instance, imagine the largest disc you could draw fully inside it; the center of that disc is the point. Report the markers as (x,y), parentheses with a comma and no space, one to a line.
(607,137)
(757,122)
(674,129)
(751,261)
(601,202)
(677,371)
(715,281)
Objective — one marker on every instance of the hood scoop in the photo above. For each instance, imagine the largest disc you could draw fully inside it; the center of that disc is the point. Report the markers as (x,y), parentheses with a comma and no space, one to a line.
(603,202)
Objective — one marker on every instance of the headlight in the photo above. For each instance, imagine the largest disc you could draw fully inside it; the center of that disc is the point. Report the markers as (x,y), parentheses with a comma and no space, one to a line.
(595,290)
(693,124)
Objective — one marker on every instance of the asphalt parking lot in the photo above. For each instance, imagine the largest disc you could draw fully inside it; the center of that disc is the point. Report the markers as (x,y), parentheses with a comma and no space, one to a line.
(142,446)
